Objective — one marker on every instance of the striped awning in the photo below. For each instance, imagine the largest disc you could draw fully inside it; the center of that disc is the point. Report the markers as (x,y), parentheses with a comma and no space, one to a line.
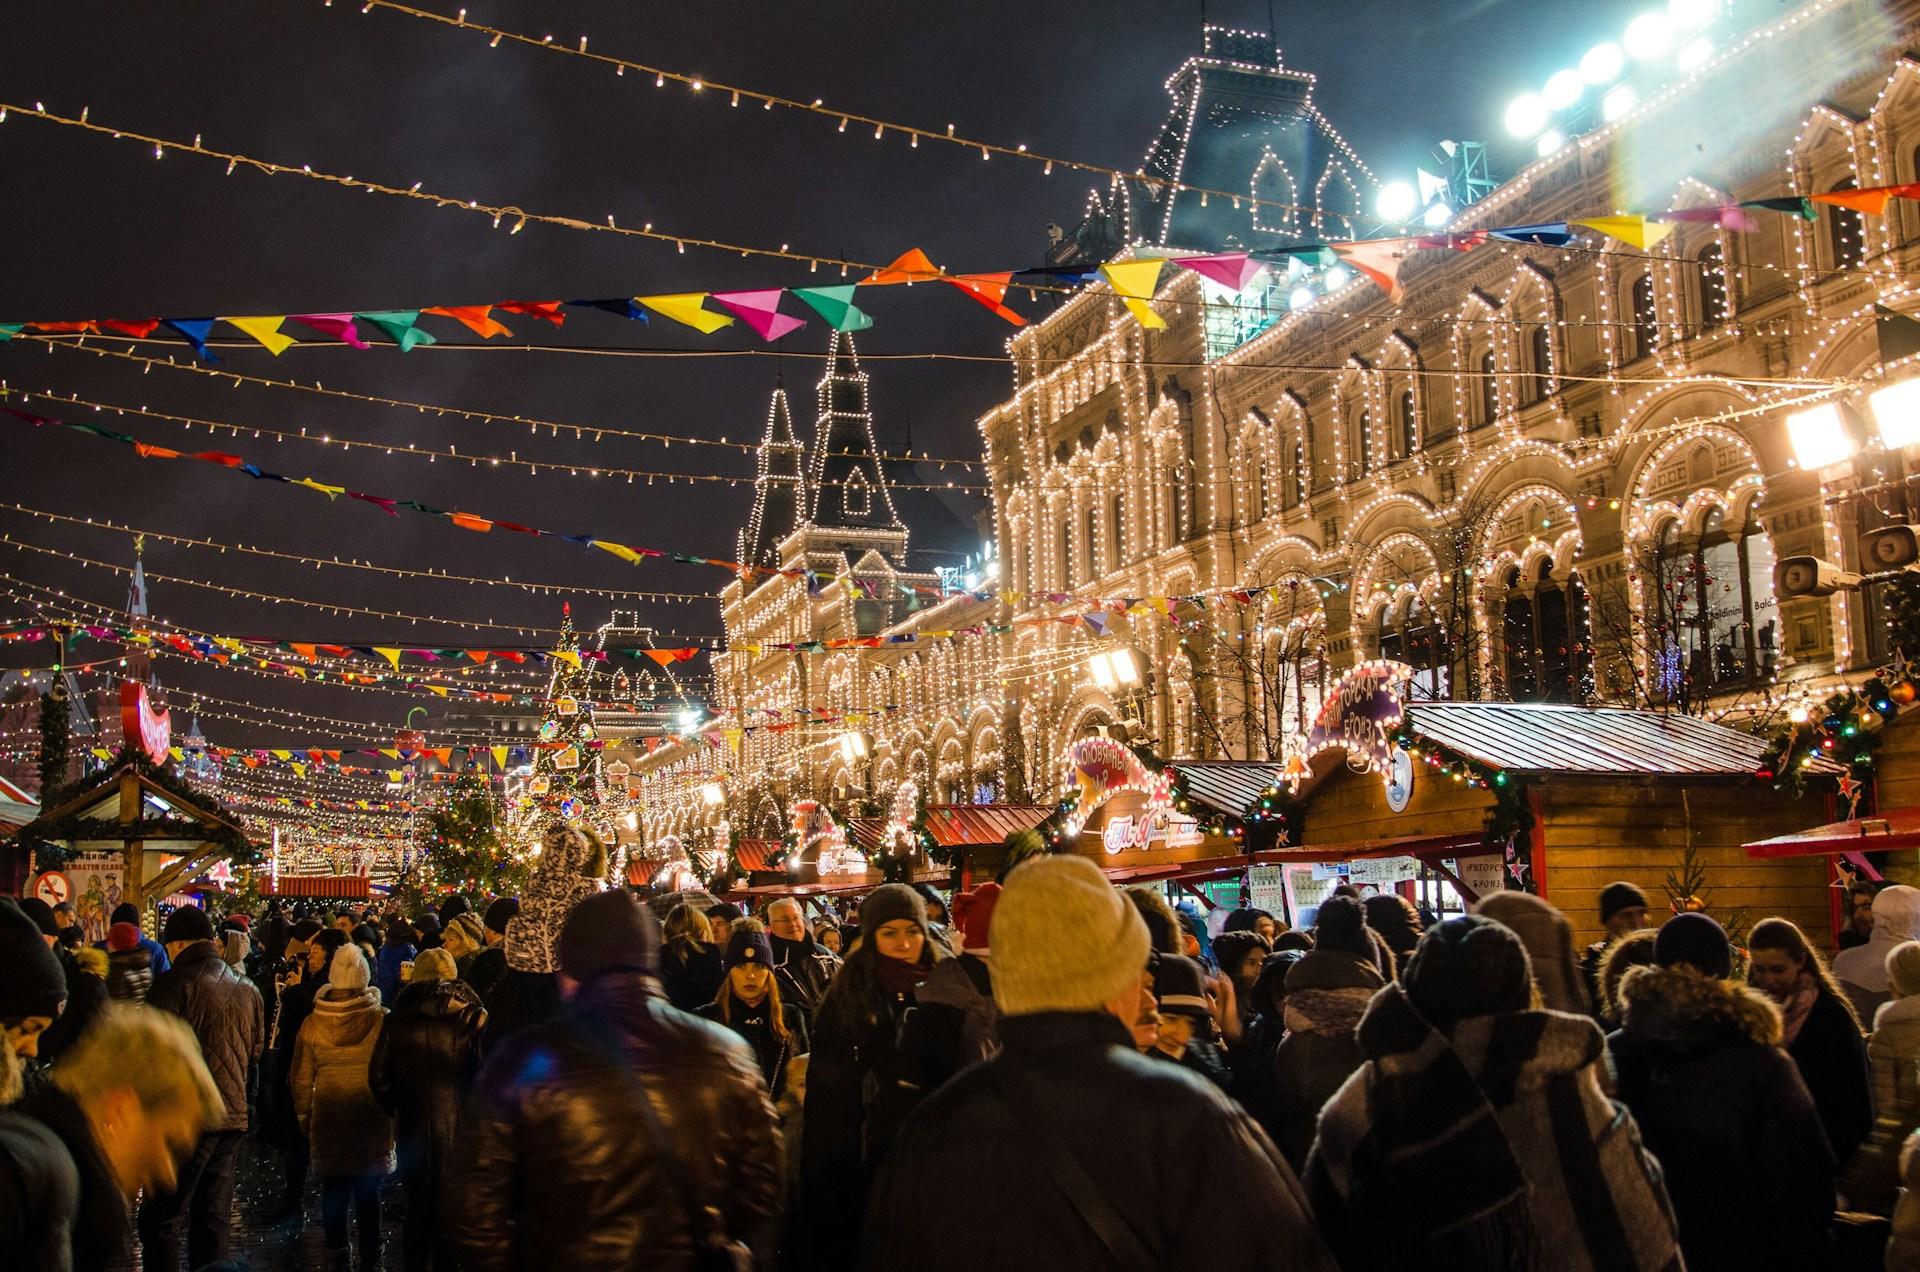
(340,887)
(757,854)
(976,825)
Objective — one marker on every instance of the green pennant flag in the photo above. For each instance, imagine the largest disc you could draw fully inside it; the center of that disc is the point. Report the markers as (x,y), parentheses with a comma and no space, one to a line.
(1792,205)
(835,305)
(8,330)
(399,325)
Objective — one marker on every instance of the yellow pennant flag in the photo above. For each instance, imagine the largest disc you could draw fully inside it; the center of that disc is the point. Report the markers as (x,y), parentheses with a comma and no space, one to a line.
(101,753)
(176,753)
(300,770)
(620,550)
(266,331)
(438,689)
(390,654)
(391,753)
(331,492)
(281,755)
(394,775)
(1133,282)
(684,307)
(1635,231)
(567,656)
(500,756)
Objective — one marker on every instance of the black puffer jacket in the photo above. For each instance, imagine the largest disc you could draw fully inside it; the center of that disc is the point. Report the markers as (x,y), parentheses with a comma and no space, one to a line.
(755,1025)
(1720,1105)
(227,1017)
(86,995)
(424,1062)
(553,1166)
(1327,993)
(1184,1166)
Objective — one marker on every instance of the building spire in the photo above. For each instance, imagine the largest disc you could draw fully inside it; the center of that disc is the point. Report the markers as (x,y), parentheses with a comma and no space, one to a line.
(779,487)
(847,487)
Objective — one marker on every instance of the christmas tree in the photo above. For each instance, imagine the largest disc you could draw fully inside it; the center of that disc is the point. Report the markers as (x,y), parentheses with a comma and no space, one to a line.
(566,764)
(462,847)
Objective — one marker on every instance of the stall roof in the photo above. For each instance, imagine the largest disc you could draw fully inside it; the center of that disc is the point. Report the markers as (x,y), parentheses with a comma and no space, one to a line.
(1554,738)
(333,887)
(1897,828)
(957,825)
(1226,786)
(1428,848)
(869,834)
(757,854)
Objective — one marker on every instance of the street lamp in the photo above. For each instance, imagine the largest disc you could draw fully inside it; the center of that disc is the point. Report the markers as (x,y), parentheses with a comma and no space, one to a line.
(1114,668)
(1820,436)
(853,747)
(1896,411)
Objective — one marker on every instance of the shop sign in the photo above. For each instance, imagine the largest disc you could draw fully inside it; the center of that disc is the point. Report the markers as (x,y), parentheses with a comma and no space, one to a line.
(1359,715)
(1159,826)
(1382,872)
(1483,874)
(141,725)
(1266,890)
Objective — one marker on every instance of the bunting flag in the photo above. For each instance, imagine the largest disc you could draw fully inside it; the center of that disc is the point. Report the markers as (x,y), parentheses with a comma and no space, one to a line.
(990,290)
(1544,234)
(760,310)
(1872,200)
(1232,270)
(545,309)
(1899,334)
(194,331)
(911,266)
(265,330)
(684,308)
(1315,254)
(619,307)
(1728,216)
(339,326)
(400,326)
(1464,242)
(475,318)
(835,306)
(1633,230)
(1134,282)
(1378,261)
(1793,205)
(389,653)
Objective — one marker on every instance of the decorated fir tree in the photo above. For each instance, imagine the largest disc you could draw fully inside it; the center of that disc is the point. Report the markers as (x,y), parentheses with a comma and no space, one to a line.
(463,848)
(566,763)
(56,729)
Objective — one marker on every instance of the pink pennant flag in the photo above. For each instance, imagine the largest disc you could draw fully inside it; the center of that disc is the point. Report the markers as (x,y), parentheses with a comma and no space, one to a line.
(339,326)
(1728,217)
(1379,261)
(1229,269)
(761,311)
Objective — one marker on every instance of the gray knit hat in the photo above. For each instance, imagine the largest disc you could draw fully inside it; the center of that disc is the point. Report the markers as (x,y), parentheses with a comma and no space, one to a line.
(1064,939)
(889,902)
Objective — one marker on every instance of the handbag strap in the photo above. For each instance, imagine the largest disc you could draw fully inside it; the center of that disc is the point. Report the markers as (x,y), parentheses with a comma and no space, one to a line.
(1122,1244)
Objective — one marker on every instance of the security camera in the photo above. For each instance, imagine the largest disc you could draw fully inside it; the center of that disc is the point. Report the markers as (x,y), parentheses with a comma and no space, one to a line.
(1810,576)
(1890,548)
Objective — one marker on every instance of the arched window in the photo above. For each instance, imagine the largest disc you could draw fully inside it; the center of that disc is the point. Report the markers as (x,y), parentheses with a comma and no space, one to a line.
(1540,358)
(1093,545)
(1489,389)
(1646,320)
(1543,657)
(1066,554)
(1409,425)
(1713,286)
(1846,232)
(1517,649)
(1411,635)
(1256,487)
(1715,624)
(1364,449)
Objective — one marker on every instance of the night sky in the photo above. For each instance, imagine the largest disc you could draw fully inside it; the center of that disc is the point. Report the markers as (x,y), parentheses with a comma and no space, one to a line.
(95,228)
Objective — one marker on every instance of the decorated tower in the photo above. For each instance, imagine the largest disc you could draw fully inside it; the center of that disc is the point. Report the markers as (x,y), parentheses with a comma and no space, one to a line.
(566,764)
(846,488)
(779,488)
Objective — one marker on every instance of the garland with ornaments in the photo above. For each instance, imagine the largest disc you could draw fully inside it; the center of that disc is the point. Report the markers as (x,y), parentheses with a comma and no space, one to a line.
(1838,736)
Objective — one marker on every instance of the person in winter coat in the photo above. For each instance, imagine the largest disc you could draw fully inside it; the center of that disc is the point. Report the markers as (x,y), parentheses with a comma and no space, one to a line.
(1477,1134)
(1698,1062)
(350,1135)
(955,1022)
(129,968)
(1818,1029)
(1893,1051)
(1186,1033)
(280,1123)
(1249,919)
(1241,954)
(225,1013)
(400,948)
(76,1152)
(749,1003)
(488,971)
(803,966)
(1255,1077)
(560,1163)
(464,938)
(86,995)
(1068,1094)
(1862,970)
(1327,993)
(1635,949)
(128,912)
(572,865)
(691,966)
(1549,941)
(859,1080)
(423,1062)
(1623,910)
(1393,917)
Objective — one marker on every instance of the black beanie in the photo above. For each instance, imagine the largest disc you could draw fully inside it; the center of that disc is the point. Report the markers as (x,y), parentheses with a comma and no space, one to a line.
(1694,939)
(609,932)
(188,923)
(891,901)
(1341,925)
(126,912)
(1616,897)
(34,984)
(501,912)
(1468,965)
(453,907)
(42,915)
(748,945)
(304,930)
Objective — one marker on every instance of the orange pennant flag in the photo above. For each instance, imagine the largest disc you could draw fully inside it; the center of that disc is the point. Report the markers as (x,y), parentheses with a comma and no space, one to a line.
(476,318)
(662,656)
(912,266)
(990,290)
(467,521)
(1379,261)
(1872,200)
(479,655)
(304,650)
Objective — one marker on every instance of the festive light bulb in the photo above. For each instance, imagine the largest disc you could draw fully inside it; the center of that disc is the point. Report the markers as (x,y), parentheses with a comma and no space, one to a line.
(1602,64)
(1526,115)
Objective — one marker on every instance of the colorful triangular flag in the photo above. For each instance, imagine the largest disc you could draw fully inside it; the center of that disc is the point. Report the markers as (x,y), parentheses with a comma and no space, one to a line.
(1133,282)
(760,310)
(1379,261)
(401,327)
(1232,270)
(475,318)
(911,266)
(266,330)
(339,326)
(1633,229)
(835,306)
(684,307)
(990,290)
(194,331)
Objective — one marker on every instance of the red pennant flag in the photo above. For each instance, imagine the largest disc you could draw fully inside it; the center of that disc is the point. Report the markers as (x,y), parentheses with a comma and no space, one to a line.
(990,290)
(547,309)
(141,327)
(66,328)
(478,655)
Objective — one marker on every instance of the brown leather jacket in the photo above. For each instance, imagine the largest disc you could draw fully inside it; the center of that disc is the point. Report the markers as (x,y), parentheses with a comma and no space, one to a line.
(227,1017)
(554,1168)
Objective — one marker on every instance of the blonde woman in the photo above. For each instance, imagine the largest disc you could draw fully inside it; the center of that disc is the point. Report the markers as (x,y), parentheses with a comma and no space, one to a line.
(690,966)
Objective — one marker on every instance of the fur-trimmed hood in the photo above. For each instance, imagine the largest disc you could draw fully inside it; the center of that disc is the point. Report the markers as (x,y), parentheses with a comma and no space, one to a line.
(1680,1008)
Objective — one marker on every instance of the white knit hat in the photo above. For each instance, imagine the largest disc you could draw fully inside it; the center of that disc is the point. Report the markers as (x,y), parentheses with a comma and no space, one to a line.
(1064,939)
(349,969)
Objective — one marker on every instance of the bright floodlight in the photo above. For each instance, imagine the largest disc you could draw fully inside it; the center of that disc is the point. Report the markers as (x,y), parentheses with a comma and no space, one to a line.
(1395,202)
(1102,670)
(1526,115)
(1648,37)
(1602,64)
(1436,215)
(1300,298)
(1694,53)
(1125,669)
(1550,141)
(713,794)
(1338,277)
(1563,89)
(1819,436)
(1688,14)
(1896,410)
(1619,100)
(689,720)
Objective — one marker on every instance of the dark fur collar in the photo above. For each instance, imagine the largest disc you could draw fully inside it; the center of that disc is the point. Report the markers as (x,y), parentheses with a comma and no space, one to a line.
(1682,1008)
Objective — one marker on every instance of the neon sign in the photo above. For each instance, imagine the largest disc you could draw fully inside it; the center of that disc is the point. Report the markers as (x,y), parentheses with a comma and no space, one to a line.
(143,728)
(1361,711)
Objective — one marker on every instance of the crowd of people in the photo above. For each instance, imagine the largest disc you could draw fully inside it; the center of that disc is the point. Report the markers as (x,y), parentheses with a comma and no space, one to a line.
(1055,1072)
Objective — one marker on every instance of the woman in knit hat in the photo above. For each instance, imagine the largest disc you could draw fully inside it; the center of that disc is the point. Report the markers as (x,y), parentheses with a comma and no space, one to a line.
(1327,991)
(1241,953)
(1818,1029)
(1697,1061)
(859,1088)
(462,937)
(1635,949)
(1186,1009)
(350,1135)
(1249,919)
(1549,941)
(33,992)
(748,1002)
(1477,1133)
(1395,921)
